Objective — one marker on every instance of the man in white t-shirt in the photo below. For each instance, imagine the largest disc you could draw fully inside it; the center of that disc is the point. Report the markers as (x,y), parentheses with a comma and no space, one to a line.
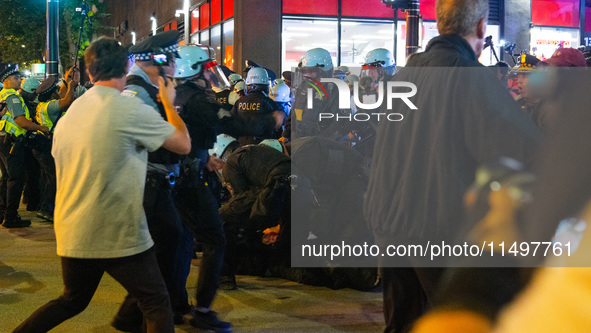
(100,149)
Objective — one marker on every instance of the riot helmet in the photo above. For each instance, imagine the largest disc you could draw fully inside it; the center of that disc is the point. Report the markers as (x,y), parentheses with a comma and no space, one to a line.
(378,63)
(195,63)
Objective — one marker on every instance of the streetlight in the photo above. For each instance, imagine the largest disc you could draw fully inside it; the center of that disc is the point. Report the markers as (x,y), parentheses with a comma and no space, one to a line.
(154,24)
(185,12)
(133,37)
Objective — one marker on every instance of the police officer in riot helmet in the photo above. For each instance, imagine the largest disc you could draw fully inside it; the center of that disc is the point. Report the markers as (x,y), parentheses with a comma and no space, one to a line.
(281,94)
(196,75)
(257,107)
(227,97)
(315,65)
(379,64)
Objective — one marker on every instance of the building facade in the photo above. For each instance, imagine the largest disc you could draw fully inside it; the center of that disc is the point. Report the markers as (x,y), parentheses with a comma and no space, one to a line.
(275,33)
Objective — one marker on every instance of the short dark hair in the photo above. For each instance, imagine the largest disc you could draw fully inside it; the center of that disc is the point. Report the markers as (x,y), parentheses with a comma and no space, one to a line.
(106,59)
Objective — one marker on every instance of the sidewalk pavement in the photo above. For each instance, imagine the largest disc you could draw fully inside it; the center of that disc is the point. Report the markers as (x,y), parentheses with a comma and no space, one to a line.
(30,276)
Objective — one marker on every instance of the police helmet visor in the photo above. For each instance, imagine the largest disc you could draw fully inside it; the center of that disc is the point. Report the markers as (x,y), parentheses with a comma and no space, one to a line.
(307,73)
(214,74)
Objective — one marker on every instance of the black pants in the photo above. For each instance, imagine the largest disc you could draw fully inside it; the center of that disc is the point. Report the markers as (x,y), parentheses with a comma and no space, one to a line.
(47,166)
(32,188)
(4,149)
(408,294)
(15,161)
(199,211)
(138,274)
(173,245)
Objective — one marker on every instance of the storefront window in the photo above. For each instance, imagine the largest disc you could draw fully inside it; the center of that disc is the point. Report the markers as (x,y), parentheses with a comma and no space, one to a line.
(299,36)
(216,11)
(358,38)
(228,43)
(216,42)
(563,13)
(311,7)
(204,37)
(544,41)
(427,32)
(194,21)
(228,8)
(365,9)
(195,39)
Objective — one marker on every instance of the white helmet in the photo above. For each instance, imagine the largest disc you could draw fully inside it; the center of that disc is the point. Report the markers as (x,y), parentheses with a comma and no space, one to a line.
(280,93)
(234,78)
(222,142)
(191,59)
(379,58)
(317,57)
(194,59)
(273,143)
(240,86)
(30,84)
(314,64)
(351,79)
(257,75)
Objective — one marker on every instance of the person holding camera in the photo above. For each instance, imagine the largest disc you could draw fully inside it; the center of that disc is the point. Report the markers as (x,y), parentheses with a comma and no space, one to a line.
(100,150)
(155,57)
(16,122)
(49,110)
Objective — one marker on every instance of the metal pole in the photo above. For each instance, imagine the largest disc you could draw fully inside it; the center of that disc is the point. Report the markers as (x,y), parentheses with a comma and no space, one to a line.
(395,35)
(52,55)
(412,27)
(187,21)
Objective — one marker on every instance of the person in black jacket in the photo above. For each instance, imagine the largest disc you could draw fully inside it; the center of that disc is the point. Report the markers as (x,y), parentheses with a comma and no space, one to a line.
(424,164)
(195,100)
(258,179)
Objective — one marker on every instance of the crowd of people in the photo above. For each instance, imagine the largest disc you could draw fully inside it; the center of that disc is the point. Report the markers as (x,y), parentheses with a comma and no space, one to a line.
(165,154)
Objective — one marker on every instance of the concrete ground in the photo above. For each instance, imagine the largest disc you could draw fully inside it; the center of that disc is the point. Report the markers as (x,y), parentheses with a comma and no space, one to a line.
(30,275)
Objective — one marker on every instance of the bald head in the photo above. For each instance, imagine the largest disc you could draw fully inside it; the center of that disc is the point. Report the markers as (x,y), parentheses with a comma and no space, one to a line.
(460,17)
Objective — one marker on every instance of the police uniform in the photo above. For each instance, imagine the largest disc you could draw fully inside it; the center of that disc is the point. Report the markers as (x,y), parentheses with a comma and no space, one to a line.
(223,97)
(195,199)
(527,64)
(304,121)
(172,240)
(48,114)
(13,152)
(256,108)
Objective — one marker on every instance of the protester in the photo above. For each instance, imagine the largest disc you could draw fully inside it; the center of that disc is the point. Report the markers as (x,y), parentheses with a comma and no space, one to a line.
(100,224)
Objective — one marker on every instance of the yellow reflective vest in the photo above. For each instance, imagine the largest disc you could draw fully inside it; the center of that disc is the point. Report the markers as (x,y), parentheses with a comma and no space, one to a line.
(42,115)
(7,122)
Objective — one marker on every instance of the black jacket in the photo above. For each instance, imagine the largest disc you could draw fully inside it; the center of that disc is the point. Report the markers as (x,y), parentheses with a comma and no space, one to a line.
(258,175)
(423,165)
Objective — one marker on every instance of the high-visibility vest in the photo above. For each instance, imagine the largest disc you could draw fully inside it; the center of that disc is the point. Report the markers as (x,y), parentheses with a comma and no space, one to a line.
(7,122)
(42,115)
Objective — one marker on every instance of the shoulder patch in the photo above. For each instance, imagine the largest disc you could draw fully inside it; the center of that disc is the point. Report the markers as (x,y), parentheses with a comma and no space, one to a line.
(129,93)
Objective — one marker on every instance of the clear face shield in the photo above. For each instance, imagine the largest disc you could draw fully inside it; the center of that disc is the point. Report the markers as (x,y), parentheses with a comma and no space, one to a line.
(307,73)
(214,74)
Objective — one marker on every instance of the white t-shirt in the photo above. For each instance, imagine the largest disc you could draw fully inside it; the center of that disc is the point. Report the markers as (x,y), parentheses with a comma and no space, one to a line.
(100,149)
